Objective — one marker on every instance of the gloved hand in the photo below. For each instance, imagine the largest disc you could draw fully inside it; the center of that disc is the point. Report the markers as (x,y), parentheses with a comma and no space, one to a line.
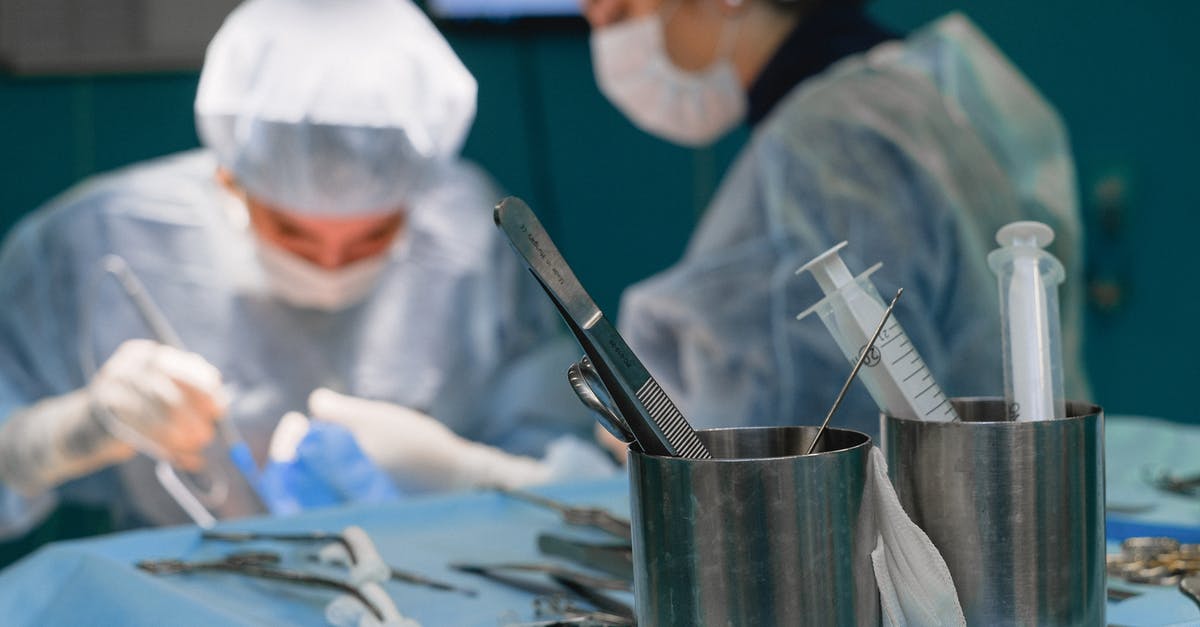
(314,464)
(420,453)
(163,399)
(169,397)
(160,397)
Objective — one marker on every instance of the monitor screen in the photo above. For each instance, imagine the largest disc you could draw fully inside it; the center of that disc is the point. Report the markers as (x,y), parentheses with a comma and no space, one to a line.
(502,9)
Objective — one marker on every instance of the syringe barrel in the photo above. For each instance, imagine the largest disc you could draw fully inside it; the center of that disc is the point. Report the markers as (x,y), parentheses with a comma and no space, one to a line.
(894,373)
(1028,279)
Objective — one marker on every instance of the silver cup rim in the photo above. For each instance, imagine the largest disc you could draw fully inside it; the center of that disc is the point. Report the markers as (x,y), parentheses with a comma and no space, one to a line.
(1088,410)
(866,443)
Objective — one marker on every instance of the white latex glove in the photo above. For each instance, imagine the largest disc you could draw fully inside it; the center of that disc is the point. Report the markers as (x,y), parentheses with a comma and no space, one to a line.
(161,398)
(420,453)
(167,398)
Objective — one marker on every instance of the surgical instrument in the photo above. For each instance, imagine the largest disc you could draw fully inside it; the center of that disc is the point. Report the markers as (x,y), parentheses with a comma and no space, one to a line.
(154,318)
(1185,485)
(558,610)
(658,427)
(1031,332)
(896,377)
(313,537)
(586,587)
(552,570)
(304,536)
(585,380)
(595,517)
(211,489)
(854,372)
(614,559)
(260,565)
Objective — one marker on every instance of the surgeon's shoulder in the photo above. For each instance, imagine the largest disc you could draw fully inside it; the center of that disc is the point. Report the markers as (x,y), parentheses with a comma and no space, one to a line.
(452,217)
(855,100)
(165,188)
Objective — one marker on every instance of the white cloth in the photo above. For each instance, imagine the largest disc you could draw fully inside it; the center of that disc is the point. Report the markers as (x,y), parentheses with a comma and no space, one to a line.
(915,586)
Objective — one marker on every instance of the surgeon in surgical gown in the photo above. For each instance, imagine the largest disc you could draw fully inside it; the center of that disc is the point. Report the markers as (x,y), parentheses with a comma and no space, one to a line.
(326,243)
(913,150)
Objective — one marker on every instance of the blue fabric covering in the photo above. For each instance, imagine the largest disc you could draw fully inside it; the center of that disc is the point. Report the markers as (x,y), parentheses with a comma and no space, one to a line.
(94,582)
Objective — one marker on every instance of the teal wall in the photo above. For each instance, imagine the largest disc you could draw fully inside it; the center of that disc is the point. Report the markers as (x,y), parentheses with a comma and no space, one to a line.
(621,204)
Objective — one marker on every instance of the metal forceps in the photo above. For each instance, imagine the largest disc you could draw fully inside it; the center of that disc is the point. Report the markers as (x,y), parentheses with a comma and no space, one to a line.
(595,517)
(643,415)
(587,587)
(317,537)
(259,564)
(195,493)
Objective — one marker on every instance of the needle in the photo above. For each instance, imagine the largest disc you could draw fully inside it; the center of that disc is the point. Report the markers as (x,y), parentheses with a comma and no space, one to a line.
(853,373)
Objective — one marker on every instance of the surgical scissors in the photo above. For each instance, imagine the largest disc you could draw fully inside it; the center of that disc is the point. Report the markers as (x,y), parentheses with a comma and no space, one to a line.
(652,421)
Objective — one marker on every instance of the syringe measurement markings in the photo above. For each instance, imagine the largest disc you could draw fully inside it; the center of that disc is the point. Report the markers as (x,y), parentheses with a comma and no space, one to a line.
(931,386)
(897,360)
(944,401)
(913,374)
(894,338)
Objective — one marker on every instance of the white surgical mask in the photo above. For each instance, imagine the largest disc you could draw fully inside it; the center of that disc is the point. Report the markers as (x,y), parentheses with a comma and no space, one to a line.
(635,73)
(299,282)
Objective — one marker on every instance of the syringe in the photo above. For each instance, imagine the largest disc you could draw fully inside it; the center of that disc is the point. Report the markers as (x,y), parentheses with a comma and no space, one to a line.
(1029,278)
(896,376)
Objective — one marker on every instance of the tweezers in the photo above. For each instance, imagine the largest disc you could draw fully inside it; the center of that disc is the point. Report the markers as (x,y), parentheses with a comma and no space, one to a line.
(256,564)
(648,415)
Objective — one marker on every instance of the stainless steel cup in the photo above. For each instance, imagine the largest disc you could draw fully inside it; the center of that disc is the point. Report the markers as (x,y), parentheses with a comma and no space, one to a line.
(759,535)
(1016,508)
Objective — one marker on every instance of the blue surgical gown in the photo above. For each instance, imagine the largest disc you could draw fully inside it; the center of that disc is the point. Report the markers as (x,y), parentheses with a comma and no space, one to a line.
(455,328)
(915,152)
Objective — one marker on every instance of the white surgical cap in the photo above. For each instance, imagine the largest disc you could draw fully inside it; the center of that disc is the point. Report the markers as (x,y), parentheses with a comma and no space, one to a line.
(332,107)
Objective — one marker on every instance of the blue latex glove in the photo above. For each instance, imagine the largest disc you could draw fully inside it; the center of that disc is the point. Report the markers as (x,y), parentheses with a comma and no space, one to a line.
(328,469)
